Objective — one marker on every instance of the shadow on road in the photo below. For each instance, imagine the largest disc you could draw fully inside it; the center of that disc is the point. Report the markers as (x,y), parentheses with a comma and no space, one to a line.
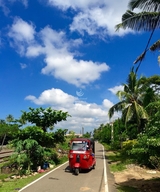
(82,171)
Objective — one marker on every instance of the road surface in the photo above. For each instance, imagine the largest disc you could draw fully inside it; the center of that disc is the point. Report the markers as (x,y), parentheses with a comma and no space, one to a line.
(62,180)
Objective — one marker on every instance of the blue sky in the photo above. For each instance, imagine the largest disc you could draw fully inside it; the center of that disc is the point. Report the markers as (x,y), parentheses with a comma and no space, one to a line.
(68,56)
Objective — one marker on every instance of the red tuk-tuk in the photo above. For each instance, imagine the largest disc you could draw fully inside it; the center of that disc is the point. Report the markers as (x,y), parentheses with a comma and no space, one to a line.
(81,154)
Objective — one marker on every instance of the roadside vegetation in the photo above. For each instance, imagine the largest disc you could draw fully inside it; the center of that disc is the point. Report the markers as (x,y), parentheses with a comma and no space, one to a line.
(37,147)
(133,138)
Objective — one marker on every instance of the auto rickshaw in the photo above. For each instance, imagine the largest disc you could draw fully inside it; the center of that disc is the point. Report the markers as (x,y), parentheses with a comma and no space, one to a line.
(81,154)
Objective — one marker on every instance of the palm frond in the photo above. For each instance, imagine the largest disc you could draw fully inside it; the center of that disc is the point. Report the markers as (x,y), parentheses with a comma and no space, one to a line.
(140,57)
(116,108)
(155,46)
(140,111)
(143,21)
(128,113)
(145,5)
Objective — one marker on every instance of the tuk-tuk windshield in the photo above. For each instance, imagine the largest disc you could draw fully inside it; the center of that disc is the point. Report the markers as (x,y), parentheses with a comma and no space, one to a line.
(79,146)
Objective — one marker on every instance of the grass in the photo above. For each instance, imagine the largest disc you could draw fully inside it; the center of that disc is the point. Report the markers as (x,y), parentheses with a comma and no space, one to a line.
(117,163)
(12,185)
(127,189)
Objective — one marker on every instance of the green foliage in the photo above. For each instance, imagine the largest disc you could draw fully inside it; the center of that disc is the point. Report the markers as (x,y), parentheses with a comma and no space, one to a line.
(127,147)
(8,129)
(111,134)
(147,148)
(36,133)
(32,150)
(117,167)
(29,154)
(103,133)
(7,132)
(117,162)
(127,189)
(50,156)
(44,118)
(87,135)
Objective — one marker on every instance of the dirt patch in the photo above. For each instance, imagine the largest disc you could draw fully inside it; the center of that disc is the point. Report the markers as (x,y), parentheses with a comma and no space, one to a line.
(143,179)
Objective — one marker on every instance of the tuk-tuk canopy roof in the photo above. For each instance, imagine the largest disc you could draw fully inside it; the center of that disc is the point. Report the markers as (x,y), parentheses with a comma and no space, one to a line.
(83,139)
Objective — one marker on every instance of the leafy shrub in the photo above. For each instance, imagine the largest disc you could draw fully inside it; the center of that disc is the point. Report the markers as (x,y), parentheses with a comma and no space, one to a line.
(115,145)
(127,148)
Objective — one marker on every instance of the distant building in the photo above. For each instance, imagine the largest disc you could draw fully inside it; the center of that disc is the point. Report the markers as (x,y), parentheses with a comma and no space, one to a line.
(76,135)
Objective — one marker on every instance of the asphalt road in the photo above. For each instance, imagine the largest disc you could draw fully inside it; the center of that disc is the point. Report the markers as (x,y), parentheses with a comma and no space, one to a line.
(62,180)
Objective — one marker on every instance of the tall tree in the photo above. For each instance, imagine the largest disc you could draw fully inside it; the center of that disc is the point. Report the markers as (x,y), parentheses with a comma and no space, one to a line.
(146,20)
(44,118)
(131,101)
(10,118)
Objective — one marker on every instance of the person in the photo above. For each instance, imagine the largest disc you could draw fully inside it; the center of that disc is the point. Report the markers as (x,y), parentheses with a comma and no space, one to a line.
(87,145)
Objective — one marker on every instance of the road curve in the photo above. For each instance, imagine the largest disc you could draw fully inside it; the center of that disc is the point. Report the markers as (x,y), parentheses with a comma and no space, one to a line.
(62,180)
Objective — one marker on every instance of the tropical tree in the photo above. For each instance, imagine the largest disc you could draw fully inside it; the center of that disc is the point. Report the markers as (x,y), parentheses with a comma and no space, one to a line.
(44,118)
(9,118)
(7,129)
(146,20)
(131,101)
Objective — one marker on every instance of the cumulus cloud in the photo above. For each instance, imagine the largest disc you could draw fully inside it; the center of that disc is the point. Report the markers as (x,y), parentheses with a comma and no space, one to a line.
(4,5)
(107,103)
(58,52)
(54,97)
(95,17)
(83,114)
(62,64)
(21,30)
(79,4)
(115,89)
(22,34)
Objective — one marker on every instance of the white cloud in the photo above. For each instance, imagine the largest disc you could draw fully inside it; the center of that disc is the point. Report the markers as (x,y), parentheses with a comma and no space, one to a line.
(57,50)
(115,89)
(23,65)
(107,103)
(95,17)
(54,97)
(83,114)
(73,71)
(78,4)
(4,5)
(22,34)
(21,30)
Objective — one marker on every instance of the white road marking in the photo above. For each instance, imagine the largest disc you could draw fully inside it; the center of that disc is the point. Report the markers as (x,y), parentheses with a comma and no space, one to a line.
(42,177)
(105,173)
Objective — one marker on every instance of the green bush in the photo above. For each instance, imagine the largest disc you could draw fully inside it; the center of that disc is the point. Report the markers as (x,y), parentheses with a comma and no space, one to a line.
(115,145)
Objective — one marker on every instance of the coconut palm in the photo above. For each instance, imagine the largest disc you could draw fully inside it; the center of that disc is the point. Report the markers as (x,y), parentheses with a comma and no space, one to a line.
(10,118)
(131,103)
(147,20)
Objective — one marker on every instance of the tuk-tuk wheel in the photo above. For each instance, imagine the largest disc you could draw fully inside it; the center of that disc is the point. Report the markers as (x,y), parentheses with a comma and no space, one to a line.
(76,171)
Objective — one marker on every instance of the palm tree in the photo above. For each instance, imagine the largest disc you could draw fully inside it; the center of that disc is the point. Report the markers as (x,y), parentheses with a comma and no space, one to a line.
(131,103)
(10,118)
(147,20)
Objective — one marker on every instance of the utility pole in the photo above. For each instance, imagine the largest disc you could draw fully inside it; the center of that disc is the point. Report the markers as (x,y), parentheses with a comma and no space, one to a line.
(82,131)
(112,131)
